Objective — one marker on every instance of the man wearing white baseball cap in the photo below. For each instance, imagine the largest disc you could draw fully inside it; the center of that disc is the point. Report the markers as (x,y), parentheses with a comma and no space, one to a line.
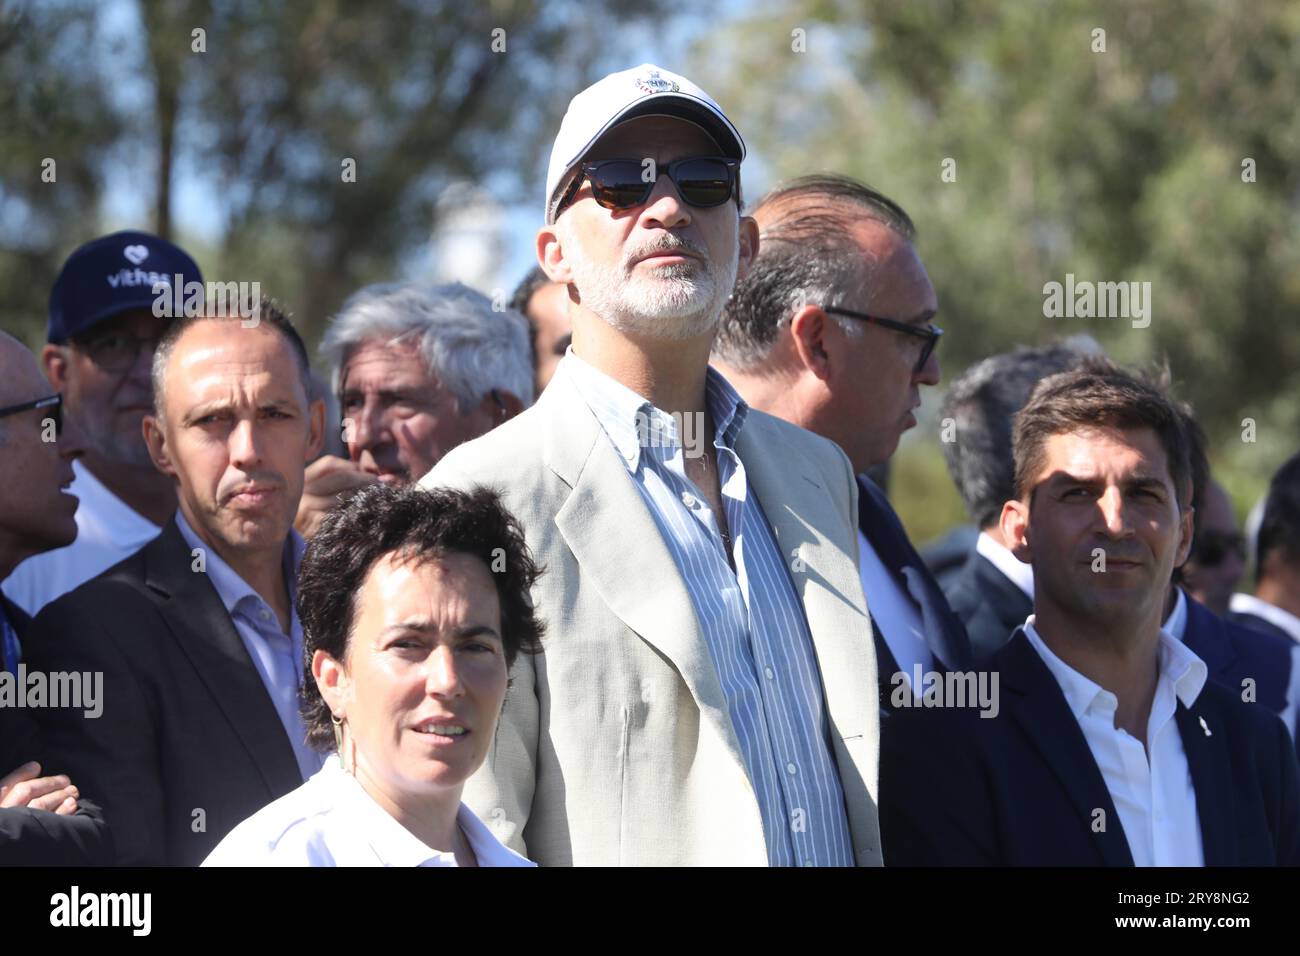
(707,690)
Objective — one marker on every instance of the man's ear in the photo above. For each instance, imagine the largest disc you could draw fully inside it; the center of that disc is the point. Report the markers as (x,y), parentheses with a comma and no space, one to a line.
(748,246)
(332,680)
(316,422)
(156,439)
(550,255)
(1014,525)
(55,363)
(808,327)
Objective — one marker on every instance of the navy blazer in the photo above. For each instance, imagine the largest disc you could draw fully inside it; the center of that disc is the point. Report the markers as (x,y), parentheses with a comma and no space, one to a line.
(989,603)
(944,633)
(1022,788)
(39,837)
(1234,653)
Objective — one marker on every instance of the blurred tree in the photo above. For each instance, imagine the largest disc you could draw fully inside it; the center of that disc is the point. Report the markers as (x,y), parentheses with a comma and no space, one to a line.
(58,126)
(327,130)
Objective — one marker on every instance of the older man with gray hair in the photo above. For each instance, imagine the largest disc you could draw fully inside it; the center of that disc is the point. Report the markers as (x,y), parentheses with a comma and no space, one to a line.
(417,370)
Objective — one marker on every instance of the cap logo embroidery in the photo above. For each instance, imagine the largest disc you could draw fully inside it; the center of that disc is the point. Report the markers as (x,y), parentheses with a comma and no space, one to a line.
(654,83)
(136,254)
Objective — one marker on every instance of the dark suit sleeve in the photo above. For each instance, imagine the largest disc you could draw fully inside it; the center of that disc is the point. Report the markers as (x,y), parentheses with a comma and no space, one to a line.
(1287,835)
(41,838)
(936,806)
(113,758)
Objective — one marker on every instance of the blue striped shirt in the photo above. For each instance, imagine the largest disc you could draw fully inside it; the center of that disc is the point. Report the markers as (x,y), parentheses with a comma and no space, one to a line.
(751,617)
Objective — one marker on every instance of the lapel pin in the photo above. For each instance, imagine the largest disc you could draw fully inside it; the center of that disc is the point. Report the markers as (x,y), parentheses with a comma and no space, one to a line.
(1205,727)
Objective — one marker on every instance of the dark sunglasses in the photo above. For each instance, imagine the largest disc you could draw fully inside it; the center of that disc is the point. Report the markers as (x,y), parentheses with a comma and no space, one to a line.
(52,402)
(929,333)
(1211,548)
(701,181)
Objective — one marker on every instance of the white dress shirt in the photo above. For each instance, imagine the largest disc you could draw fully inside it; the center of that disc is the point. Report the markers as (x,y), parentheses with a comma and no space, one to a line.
(1176,623)
(331,821)
(1249,604)
(108,531)
(894,612)
(1021,574)
(1155,798)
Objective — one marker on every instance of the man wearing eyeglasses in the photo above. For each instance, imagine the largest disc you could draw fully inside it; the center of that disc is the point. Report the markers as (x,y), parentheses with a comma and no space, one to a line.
(700,696)
(832,330)
(43,819)
(101,334)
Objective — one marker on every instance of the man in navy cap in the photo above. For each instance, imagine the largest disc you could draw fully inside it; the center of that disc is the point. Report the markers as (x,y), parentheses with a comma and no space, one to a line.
(101,334)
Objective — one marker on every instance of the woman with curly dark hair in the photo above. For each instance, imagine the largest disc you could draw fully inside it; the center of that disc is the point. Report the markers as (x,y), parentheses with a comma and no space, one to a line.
(414,604)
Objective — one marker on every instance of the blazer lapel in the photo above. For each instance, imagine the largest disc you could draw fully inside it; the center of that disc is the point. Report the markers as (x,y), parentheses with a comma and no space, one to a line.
(1205,743)
(944,633)
(800,510)
(615,539)
(203,629)
(1039,706)
(1206,637)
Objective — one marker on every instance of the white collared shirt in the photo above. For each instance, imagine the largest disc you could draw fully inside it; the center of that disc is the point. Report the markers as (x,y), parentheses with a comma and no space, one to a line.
(331,821)
(1155,799)
(1021,574)
(894,612)
(1176,623)
(1249,604)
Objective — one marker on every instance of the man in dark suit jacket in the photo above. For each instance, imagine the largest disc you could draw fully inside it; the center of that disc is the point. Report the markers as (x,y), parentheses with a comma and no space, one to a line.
(992,592)
(44,819)
(989,603)
(1023,788)
(943,631)
(1103,715)
(1274,608)
(195,634)
(831,330)
(33,834)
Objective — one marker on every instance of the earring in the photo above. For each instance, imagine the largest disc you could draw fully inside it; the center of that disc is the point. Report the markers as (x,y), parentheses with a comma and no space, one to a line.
(338,738)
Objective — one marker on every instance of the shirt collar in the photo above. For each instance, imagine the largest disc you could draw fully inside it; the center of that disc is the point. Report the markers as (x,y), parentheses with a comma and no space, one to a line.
(1177,665)
(633,423)
(1000,556)
(231,588)
(1176,623)
(1249,604)
(397,846)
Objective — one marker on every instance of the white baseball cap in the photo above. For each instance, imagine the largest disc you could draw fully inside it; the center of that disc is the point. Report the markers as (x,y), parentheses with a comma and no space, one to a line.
(646,90)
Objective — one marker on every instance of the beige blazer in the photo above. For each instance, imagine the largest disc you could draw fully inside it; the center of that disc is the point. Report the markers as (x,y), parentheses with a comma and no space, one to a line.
(615,745)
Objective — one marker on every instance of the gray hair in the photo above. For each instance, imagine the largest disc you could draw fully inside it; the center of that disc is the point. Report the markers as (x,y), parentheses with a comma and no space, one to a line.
(470,346)
(982,404)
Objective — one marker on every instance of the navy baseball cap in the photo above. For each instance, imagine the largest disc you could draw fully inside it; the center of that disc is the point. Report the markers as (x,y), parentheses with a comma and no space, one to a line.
(112,275)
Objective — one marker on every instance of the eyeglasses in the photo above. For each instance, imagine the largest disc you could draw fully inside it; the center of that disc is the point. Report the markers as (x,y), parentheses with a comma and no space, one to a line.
(929,333)
(701,181)
(115,352)
(1211,548)
(53,402)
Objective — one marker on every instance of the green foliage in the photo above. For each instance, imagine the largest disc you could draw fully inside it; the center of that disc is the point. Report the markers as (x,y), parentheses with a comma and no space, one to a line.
(1116,165)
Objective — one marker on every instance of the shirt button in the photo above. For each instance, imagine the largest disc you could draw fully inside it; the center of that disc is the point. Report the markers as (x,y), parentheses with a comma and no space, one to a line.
(791,769)
(266,615)
(807,862)
(768,673)
(688,499)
